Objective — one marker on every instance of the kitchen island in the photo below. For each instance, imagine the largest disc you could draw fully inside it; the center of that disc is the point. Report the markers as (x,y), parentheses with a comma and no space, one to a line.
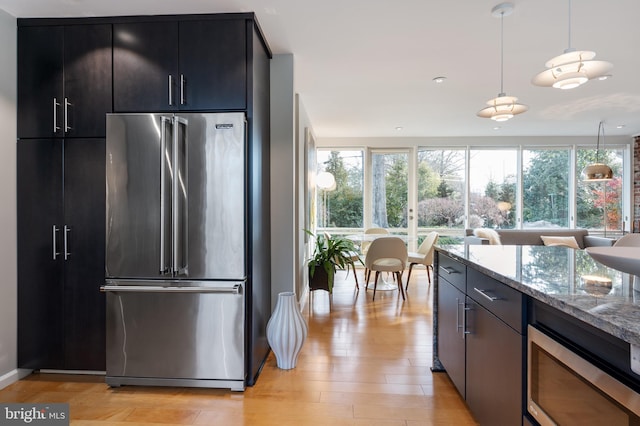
(488,298)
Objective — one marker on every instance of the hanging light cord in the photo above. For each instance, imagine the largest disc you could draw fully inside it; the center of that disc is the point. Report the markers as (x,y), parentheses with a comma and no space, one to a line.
(569,48)
(600,129)
(502,53)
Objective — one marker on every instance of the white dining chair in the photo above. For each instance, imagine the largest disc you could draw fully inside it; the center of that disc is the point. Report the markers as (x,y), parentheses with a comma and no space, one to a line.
(424,256)
(386,254)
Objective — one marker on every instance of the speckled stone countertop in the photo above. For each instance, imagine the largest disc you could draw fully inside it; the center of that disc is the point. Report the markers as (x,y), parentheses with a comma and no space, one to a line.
(556,276)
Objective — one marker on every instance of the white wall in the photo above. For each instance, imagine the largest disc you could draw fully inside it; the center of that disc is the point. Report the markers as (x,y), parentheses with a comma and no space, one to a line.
(304,129)
(283,161)
(289,127)
(8,241)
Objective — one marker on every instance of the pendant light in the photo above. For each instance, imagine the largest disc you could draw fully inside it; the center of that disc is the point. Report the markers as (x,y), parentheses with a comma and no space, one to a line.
(597,172)
(503,107)
(573,68)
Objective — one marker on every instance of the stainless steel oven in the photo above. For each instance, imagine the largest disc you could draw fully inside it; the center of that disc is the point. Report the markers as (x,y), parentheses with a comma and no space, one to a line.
(563,388)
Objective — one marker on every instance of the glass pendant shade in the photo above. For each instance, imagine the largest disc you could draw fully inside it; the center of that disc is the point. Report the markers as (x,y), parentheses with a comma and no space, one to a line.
(502,108)
(571,69)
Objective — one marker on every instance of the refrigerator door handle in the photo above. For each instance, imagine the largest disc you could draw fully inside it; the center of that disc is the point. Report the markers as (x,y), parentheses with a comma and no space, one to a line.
(159,289)
(180,200)
(164,122)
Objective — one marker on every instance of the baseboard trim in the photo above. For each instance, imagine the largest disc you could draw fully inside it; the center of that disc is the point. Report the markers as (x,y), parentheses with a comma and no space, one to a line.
(13,376)
(79,372)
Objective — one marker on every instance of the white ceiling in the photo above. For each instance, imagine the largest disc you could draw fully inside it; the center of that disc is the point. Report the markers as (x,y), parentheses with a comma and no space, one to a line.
(365,67)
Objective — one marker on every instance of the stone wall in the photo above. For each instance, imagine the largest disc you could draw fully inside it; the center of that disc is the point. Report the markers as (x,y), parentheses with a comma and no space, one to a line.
(636,185)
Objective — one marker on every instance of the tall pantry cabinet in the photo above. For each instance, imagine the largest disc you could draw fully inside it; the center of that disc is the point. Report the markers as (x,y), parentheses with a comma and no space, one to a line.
(64,92)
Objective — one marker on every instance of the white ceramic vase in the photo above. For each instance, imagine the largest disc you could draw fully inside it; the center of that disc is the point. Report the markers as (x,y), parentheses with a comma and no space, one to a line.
(286,330)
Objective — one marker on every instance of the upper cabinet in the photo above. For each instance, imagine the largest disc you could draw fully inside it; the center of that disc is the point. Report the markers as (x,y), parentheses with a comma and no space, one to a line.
(192,65)
(64,80)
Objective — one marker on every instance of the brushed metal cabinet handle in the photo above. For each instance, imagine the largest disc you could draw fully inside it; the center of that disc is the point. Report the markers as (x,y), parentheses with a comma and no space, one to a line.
(67,104)
(182,84)
(55,242)
(56,104)
(67,253)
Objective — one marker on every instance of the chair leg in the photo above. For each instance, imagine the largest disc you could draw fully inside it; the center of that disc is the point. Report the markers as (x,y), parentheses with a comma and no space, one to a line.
(353,266)
(409,275)
(367,272)
(399,277)
(375,284)
(429,276)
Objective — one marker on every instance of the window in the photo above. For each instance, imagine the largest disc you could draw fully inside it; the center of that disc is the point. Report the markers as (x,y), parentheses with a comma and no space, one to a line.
(341,206)
(596,201)
(492,186)
(545,188)
(389,171)
(441,191)
(447,190)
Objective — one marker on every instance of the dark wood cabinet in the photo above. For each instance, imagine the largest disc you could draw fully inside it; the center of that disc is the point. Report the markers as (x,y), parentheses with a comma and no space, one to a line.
(451,302)
(40,277)
(192,65)
(64,80)
(481,342)
(61,215)
(494,382)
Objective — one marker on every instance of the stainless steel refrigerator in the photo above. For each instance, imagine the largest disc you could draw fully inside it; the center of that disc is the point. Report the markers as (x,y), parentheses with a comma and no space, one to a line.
(176,250)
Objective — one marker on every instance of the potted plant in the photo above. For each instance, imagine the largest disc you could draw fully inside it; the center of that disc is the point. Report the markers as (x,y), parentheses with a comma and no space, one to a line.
(330,253)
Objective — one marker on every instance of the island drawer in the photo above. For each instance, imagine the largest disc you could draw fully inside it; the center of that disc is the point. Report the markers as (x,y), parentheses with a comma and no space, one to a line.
(503,301)
(452,271)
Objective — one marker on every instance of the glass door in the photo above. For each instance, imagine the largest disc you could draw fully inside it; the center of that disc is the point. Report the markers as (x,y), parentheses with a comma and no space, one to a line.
(390,200)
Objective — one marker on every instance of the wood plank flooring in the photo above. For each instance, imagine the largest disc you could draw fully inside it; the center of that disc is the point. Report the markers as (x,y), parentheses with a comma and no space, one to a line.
(363,363)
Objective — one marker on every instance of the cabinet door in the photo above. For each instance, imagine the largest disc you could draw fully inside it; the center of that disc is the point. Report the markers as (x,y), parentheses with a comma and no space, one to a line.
(451,342)
(494,368)
(87,80)
(84,207)
(213,65)
(40,291)
(145,58)
(40,81)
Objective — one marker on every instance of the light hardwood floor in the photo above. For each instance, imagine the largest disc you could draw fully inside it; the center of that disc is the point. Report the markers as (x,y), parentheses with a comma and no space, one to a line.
(363,363)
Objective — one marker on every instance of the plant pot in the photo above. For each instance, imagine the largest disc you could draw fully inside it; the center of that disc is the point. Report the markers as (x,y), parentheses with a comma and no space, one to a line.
(319,281)
(286,330)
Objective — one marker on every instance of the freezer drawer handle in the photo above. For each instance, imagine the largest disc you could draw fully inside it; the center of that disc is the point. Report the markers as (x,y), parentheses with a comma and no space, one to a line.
(159,289)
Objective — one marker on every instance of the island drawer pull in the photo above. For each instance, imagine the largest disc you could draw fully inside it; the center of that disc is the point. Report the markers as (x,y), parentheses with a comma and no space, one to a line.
(483,292)
(448,269)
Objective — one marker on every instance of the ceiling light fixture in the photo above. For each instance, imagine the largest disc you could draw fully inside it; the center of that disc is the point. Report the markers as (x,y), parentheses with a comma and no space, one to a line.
(573,68)
(597,172)
(503,107)
(439,79)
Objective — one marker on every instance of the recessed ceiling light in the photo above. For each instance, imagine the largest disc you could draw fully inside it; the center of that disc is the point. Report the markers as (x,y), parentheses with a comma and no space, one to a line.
(604,77)
(399,128)
(620,126)
(439,79)
(497,128)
